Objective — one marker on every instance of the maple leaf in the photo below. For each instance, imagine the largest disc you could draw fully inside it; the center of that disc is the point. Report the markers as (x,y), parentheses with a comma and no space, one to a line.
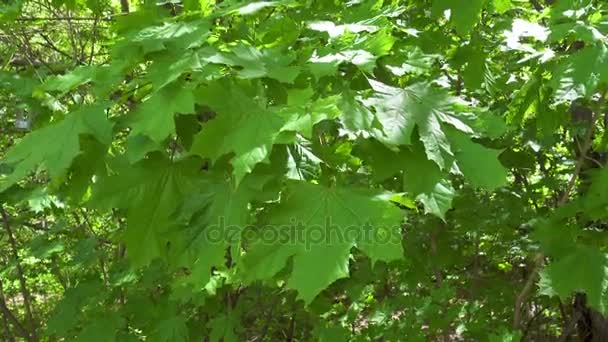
(170,66)
(248,130)
(385,163)
(55,146)
(256,63)
(355,116)
(223,328)
(415,62)
(301,118)
(419,105)
(221,213)
(150,191)
(155,116)
(363,53)
(464,18)
(171,328)
(594,201)
(427,183)
(583,269)
(580,74)
(103,328)
(241,127)
(64,316)
(341,219)
(479,164)
(177,35)
(216,214)
(67,82)
(502,6)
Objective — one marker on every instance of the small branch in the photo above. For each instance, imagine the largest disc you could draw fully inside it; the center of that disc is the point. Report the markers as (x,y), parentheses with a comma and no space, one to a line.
(569,329)
(53,46)
(537,6)
(93,40)
(529,325)
(526,187)
(523,295)
(72,36)
(268,319)
(540,257)
(292,327)
(587,143)
(7,315)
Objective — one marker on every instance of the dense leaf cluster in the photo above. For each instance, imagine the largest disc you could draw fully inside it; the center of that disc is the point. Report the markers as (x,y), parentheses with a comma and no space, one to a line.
(303,170)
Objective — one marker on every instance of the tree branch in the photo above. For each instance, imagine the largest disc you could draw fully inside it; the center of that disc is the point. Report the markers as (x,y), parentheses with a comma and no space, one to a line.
(22,283)
(7,316)
(540,257)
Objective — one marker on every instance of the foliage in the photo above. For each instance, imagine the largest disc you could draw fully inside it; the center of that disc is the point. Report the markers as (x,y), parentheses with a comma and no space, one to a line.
(303,170)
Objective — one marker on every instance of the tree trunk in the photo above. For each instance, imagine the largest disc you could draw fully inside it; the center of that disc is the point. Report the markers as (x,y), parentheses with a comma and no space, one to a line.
(124,6)
(591,325)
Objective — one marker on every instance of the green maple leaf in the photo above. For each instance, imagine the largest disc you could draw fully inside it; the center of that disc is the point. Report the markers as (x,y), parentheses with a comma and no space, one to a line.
(475,71)
(479,164)
(171,329)
(422,106)
(138,146)
(580,74)
(105,79)
(301,118)
(584,269)
(155,116)
(102,328)
(54,147)
(176,35)
(331,221)
(439,199)
(67,312)
(216,215)
(595,201)
(502,6)
(462,17)
(427,183)
(223,328)
(170,66)
(150,191)
(415,62)
(249,131)
(221,215)
(384,162)
(241,127)
(256,63)
(355,116)
(362,52)
(69,81)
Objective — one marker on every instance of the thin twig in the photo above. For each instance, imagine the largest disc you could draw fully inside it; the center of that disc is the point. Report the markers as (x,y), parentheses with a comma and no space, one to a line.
(71,35)
(93,40)
(529,325)
(53,46)
(8,316)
